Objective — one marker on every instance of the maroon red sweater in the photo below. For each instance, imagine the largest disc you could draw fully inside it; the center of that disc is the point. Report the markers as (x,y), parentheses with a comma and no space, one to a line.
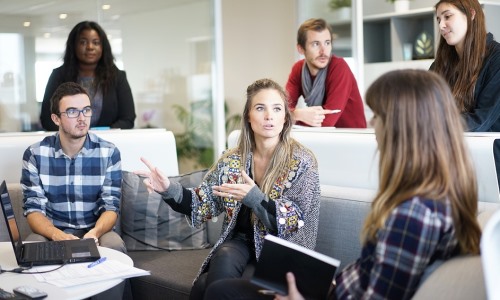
(341,92)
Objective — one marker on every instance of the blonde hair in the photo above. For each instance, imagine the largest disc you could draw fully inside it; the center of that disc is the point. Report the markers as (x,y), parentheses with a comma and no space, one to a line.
(283,152)
(422,152)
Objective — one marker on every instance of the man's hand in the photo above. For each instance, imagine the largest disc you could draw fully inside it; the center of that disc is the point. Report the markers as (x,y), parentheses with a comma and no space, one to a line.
(312,115)
(40,224)
(92,235)
(59,235)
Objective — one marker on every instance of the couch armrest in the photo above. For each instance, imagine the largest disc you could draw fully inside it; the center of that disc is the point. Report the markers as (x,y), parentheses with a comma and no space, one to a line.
(457,278)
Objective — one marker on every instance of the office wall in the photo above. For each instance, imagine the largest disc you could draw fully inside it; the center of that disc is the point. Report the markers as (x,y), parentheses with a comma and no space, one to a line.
(161,57)
(258,41)
(373,7)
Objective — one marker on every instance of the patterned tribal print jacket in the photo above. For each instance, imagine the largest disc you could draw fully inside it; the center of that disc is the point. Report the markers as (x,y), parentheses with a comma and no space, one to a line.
(290,211)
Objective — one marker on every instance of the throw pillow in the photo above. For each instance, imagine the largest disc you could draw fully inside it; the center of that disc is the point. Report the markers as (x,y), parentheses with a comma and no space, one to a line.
(148,223)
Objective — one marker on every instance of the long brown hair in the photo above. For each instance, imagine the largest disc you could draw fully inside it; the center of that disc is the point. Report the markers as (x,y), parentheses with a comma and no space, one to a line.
(422,152)
(462,74)
(106,69)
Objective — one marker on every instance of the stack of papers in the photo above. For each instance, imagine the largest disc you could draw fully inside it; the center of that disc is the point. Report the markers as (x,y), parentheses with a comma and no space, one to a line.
(76,274)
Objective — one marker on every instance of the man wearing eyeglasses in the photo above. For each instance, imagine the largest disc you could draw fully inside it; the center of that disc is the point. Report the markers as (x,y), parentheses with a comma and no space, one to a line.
(72,180)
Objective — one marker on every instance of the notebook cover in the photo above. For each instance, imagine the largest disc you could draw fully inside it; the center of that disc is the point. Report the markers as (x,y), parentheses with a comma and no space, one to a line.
(313,271)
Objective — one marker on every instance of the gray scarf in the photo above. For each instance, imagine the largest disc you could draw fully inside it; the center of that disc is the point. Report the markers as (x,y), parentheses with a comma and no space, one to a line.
(313,92)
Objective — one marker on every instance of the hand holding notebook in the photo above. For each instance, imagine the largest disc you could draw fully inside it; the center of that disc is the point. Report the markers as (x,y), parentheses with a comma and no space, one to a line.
(313,271)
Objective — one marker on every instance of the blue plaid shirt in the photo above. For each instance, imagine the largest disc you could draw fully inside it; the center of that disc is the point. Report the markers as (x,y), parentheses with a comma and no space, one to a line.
(417,232)
(72,192)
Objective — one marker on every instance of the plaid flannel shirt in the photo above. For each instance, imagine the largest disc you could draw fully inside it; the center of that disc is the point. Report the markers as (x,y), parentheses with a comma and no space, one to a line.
(71,192)
(416,233)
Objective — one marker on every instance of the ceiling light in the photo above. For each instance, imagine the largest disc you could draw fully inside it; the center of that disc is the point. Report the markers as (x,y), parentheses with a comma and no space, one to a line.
(27,24)
(106,6)
(46,35)
(63,16)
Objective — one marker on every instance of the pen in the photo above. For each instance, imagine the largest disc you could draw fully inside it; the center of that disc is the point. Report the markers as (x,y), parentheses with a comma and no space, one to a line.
(95,263)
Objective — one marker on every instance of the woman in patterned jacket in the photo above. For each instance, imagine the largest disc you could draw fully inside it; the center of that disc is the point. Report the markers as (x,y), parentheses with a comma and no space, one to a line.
(267,184)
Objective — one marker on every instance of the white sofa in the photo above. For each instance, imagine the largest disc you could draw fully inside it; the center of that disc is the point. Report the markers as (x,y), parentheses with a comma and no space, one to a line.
(347,167)
(157,145)
(349,158)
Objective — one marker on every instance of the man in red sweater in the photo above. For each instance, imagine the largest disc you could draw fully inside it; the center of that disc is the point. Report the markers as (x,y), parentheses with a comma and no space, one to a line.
(329,88)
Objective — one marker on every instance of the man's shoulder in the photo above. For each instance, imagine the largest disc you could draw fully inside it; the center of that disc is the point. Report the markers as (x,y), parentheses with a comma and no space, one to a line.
(337,61)
(48,141)
(298,64)
(99,142)
(46,147)
(338,65)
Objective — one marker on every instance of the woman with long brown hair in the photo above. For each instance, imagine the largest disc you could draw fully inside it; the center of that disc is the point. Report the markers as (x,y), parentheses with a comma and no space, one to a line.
(425,208)
(468,58)
(426,205)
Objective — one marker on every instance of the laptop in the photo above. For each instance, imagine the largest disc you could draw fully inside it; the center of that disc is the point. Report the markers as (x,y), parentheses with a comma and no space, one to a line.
(44,253)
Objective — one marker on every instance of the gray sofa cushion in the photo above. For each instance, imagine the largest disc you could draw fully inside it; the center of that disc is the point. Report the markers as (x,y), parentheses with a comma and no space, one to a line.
(16,197)
(457,278)
(342,213)
(148,223)
(172,273)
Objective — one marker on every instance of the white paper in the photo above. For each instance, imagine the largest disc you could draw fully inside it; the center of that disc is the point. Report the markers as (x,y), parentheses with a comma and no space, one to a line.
(77,274)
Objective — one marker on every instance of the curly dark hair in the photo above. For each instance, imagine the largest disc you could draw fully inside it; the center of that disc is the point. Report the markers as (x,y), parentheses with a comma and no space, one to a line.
(106,69)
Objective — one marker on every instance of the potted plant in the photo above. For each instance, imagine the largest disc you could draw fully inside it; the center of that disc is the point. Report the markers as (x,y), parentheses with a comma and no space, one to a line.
(195,145)
(341,8)
(400,5)
(338,4)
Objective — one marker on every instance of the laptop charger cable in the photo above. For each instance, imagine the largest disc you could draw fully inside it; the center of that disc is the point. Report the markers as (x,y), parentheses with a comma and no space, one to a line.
(21,270)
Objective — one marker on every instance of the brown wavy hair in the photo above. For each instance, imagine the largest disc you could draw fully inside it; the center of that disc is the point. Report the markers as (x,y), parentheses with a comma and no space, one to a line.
(422,152)
(462,74)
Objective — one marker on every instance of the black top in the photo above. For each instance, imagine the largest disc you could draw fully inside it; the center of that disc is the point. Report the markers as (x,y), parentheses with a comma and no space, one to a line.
(118,109)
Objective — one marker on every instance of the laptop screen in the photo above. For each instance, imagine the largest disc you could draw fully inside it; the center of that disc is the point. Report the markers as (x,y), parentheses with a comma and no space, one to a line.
(9,217)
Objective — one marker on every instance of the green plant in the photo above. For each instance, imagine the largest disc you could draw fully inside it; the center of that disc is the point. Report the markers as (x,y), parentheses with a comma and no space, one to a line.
(336,4)
(196,142)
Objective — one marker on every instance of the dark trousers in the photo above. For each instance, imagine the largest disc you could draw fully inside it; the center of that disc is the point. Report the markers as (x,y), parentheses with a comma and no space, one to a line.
(235,289)
(234,259)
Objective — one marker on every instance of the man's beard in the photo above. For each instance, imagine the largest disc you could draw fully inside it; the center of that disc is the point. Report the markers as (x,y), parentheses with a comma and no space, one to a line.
(74,136)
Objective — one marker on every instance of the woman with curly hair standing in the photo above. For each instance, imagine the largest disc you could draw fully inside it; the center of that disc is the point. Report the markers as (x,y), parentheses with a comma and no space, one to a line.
(88,60)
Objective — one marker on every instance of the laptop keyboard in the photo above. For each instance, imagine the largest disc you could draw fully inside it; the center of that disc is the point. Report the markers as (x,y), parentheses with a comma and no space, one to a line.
(48,251)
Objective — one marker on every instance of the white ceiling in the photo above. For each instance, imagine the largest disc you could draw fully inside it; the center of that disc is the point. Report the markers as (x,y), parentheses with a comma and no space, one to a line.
(44,14)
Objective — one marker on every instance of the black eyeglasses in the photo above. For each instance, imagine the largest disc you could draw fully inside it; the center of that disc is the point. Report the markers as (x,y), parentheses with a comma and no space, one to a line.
(75,113)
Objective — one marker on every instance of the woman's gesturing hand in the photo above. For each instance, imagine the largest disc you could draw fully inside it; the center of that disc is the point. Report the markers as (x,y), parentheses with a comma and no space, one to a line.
(236,191)
(155,180)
